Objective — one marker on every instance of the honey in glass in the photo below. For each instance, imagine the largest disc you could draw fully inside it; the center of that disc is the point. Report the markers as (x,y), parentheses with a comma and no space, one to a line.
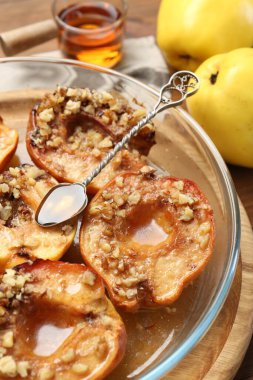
(92,31)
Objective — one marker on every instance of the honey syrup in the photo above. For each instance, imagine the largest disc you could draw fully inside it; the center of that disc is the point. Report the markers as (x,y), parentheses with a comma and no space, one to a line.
(91,32)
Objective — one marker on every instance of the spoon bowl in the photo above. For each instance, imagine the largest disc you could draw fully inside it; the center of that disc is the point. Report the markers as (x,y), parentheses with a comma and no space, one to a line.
(61,203)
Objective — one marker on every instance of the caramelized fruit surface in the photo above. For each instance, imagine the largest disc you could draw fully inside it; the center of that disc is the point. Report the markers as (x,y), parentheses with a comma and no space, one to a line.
(147,237)
(71,130)
(21,191)
(8,144)
(57,323)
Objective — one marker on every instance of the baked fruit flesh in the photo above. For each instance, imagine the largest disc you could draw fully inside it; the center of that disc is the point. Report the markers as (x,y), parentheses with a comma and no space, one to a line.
(72,129)
(57,323)
(8,144)
(148,237)
(21,191)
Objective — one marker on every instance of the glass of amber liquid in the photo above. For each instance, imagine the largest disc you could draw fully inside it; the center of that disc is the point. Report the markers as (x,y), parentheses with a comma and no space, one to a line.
(91,30)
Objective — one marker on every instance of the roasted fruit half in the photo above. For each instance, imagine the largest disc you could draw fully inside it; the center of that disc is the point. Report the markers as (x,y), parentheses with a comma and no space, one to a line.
(147,236)
(8,144)
(57,323)
(21,191)
(71,130)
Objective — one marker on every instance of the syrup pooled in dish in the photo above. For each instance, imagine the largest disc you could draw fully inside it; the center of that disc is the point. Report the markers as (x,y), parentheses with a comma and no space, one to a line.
(57,323)
(8,144)
(71,130)
(148,237)
(21,191)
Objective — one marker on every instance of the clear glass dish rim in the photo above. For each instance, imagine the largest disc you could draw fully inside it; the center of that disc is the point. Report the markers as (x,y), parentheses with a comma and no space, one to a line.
(208,318)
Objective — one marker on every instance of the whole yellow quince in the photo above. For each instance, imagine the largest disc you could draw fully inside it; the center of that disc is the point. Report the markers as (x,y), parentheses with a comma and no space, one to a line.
(223,106)
(190,31)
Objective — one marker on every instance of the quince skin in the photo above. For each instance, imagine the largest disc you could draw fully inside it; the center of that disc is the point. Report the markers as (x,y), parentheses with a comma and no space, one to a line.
(224,104)
(190,31)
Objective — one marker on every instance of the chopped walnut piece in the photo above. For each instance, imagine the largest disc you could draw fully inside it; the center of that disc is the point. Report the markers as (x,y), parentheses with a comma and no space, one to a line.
(134,198)
(119,181)
(79,368)
(184,199)
(22,368)
(47,115)
(46,374)
(8,339)
(8,366)
(89,278)
(187,214)
(105,246)
(72,107)
(68,356)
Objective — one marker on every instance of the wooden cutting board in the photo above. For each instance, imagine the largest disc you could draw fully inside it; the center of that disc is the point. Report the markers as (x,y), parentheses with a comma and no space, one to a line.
(220,353)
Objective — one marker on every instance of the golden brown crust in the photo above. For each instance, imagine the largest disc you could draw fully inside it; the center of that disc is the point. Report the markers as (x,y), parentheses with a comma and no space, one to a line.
(70,131)
(8,144)
(21,191)
(64,304)
(147,237)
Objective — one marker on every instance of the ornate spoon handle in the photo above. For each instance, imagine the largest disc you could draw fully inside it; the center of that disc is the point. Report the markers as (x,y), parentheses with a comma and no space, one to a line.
(184,83)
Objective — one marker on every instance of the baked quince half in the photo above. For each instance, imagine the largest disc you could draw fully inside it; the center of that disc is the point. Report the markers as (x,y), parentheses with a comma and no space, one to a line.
(147,236)
(8,144)
(72,129)
(57,323)
(21,191)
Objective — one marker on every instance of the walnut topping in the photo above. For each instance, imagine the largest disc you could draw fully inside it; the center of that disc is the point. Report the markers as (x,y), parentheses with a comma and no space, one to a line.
(2,351)
(8,366)
(179,185)
(22,368)
(33,172)
(130,293)
(204,228)
(105,246)
(187,214)
(45,374)
(184,199)
(106,195)
(119,181)
(89,278)
(47,115)
(134,198)
(72,107)
(79,368)
(5,211)
(121,213)
(8,339)
(147,169)
(95,209)
(13,279)
(13,284)
(67,229)
(68,356)
(203,241)
(72,92)
(110,110)
(118,200)
(105,143)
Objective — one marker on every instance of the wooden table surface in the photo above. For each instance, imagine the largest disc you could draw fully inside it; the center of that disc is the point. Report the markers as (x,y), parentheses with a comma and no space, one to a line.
(141,21)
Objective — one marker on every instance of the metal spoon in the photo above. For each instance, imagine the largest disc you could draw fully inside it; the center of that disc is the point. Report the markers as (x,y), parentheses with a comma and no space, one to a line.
(67,200)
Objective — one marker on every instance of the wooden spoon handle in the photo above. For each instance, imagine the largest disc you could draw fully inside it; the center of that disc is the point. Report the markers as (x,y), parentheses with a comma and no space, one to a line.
(20,39)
